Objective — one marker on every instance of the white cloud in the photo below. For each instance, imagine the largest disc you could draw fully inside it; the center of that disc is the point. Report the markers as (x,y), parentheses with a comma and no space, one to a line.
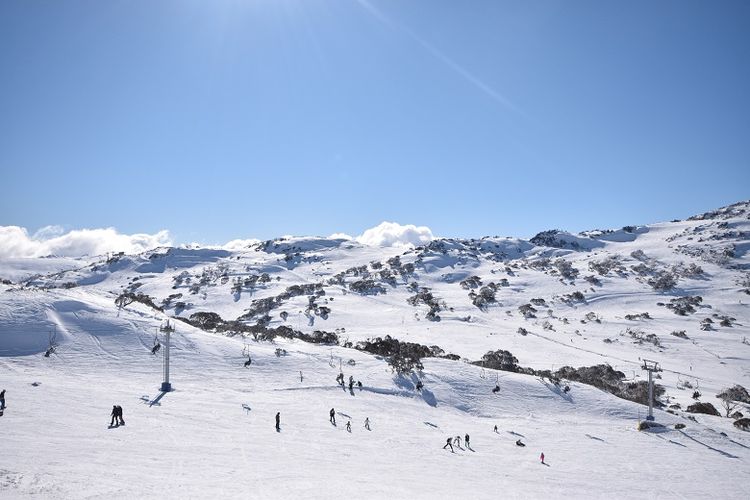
(52,240)
(389,234)
(239,244)
(340,236)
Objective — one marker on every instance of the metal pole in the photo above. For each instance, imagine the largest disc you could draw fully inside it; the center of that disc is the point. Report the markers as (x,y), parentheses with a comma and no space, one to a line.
(650,396)
(166,386)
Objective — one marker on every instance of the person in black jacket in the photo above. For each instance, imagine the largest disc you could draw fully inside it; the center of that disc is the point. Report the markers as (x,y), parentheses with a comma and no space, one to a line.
(278,422)
(114,416)
(449,443)
(2,400)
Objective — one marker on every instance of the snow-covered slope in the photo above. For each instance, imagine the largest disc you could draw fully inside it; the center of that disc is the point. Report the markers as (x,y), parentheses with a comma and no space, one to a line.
(599,297)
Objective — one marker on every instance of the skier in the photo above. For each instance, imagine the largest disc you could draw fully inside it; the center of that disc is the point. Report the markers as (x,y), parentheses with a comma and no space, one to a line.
(466,441)
(457,440)
(278,421)
(367,423)
(349,426)
(2,400)
(351,385)
(542,458)
(419,386)
(119,415)
(114,416)
(495,430)
(359,384)
(332,414)
(448,445)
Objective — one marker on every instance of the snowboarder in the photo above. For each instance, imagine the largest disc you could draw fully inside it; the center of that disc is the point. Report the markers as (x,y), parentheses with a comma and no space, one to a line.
(332,416)
(519,443)
(541,457)
(2,400)
(448,444)
(349,426)
(278,421)
(114,416)
(367,423)
(466,441)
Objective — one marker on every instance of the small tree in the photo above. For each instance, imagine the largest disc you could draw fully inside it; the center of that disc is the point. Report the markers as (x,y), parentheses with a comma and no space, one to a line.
(730,398)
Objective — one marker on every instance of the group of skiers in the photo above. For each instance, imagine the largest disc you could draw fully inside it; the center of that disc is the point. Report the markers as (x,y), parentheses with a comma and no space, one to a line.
(340,381)
(457,441)
(116,416)
(332,419)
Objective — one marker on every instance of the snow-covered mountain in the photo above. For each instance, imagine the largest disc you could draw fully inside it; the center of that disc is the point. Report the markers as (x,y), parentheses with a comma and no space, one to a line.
(305,308)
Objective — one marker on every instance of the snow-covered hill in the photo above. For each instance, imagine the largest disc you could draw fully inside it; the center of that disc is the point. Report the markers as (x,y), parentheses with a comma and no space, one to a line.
(673,292)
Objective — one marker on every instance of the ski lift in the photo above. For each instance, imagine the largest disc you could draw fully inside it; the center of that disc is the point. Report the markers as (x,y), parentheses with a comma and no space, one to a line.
(157,345)
(52,343)
(246,352)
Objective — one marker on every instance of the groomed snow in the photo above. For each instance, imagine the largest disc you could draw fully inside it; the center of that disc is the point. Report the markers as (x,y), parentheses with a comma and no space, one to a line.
(214,436)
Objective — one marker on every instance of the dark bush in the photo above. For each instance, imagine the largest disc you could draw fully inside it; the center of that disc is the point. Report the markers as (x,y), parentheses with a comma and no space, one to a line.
(366,287)
(706,408)
(499,360)
(206,320)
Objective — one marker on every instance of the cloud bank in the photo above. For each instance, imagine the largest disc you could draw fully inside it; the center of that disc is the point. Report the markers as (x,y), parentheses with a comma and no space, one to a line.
(239,244)
(392,234)
(53,240)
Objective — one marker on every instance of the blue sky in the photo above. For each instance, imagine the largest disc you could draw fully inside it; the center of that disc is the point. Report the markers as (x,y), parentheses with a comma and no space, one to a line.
(258,118)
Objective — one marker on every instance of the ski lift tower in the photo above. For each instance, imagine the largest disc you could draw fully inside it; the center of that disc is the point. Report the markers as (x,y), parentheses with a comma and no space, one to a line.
(650,367)
(167,329)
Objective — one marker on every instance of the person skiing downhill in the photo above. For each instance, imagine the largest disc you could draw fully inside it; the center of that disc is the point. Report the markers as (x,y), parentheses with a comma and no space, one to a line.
(332,416)
(448,444)
(542,457)
(367,423)
(278,421)
(114,416)
(495,429)
(457,440)
(466,441)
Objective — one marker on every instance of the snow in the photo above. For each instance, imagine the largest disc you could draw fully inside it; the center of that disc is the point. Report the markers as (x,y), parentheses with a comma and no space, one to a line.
(214,434)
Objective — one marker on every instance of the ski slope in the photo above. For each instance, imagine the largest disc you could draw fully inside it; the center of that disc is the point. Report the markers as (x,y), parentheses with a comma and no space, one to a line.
(214,436)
